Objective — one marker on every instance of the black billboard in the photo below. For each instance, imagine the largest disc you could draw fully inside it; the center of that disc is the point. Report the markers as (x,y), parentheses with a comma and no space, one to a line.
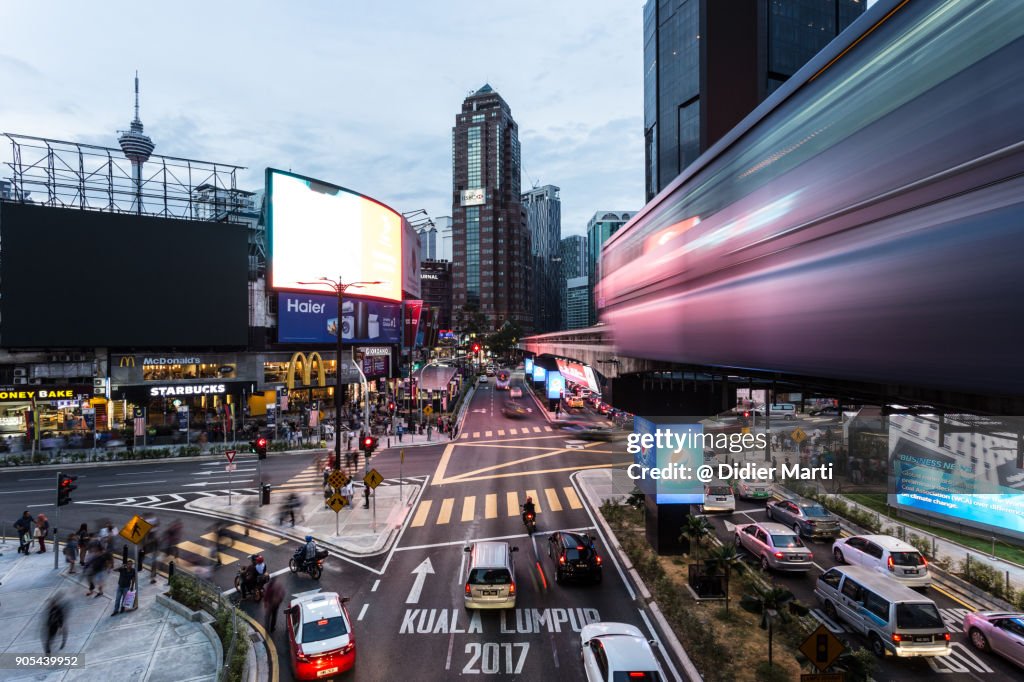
(83,278)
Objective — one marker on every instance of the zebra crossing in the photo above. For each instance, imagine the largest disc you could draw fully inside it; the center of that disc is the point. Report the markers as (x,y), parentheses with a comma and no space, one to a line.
(237,543)
(517,431)
(470,508)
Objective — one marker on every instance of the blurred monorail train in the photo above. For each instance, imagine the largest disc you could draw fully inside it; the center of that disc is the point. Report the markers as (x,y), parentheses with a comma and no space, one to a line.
(865,223)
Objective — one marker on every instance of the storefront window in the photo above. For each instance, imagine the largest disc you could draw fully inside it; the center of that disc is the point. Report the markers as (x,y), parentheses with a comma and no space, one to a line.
(189,371)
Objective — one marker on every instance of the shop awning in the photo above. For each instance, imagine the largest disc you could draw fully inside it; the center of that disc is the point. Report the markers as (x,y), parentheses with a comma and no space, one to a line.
(434,378)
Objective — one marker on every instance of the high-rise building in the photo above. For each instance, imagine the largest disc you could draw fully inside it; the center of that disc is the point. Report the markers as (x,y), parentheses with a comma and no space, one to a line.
(577,295)
(436,289)
(544,221)
(490,243)
(573,254)
(444,237)
(601,226)
(428,242)
(709,63)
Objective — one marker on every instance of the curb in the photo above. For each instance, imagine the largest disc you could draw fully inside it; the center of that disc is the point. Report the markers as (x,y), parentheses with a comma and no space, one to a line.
(268,644)
(135,462)
(689,669)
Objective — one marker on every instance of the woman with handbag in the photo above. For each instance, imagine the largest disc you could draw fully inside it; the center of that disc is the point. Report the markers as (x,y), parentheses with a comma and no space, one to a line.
(41,531)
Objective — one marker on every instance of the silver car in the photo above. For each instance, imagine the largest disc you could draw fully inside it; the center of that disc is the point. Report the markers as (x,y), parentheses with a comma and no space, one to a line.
(1002,633)
(775,546)
(807,519)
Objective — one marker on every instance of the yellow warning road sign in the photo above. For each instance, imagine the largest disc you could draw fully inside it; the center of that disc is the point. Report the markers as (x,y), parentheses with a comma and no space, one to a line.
(336,502)
(337,479)
(822,648)
(135,530)
(428,410)
(373,478)
(798,436)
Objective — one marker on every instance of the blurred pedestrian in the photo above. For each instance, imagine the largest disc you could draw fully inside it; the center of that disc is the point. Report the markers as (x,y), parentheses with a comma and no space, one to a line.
(54,623)
(126,586)
(96,571)
(24,526)
(71,552)
(172,536)
(83,542)
(273,594)
(41,531)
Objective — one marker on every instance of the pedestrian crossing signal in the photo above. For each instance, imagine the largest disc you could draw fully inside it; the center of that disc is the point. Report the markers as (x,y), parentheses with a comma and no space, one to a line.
(259,446)
(369,444)
(65,484)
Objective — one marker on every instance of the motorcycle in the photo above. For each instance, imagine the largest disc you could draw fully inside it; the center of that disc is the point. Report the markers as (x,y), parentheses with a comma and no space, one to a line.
(530,521)
(315,568)
(256,593)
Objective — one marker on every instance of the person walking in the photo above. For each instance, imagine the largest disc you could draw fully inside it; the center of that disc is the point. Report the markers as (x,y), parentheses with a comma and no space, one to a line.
(23,526)
(126,583)
(41,531)
(348,492)
(71,552)
(55,622)
(95,570)
(400,431)
(83,543)
(273,594)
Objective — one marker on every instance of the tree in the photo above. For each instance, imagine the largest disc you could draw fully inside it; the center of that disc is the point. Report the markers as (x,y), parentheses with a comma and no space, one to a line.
(725,557)
(697,529)
(772,603)
(505,339)
(469,320)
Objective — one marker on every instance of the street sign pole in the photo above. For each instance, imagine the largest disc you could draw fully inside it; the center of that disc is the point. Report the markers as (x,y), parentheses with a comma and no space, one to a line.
(401,490)
(374,527)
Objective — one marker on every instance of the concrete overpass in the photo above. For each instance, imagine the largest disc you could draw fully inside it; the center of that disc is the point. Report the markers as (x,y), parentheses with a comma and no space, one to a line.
(592,346)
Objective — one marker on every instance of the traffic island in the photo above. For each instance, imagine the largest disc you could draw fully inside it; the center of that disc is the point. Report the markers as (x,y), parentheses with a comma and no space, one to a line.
(353,530)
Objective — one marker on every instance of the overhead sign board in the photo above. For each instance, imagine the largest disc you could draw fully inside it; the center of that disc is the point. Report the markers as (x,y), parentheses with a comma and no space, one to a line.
(313,318)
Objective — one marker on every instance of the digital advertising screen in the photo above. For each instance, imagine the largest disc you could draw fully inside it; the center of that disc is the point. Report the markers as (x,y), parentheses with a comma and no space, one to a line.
(556,385)
(528,366)
(578,373)
(666,457)
(539,373)
(312,318)
(321,230)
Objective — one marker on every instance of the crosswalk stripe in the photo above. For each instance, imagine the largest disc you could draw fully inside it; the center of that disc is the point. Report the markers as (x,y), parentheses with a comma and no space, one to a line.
(199,550)
(465,435)
(421,514)
(237,545)
(512,501)
(513,431)
(501,432)
(574,499)
(469,508)
(445,515)
(491,506)
(257,535)
(476,434)
(536,429)
(536,499)
(548,428)
(553,503)
(488,434)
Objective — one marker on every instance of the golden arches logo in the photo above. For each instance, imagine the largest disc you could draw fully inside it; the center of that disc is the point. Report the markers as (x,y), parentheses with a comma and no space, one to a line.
(307,369)
(127,361)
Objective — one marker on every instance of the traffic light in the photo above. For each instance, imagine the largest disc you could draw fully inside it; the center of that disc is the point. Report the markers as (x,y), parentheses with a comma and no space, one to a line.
(745,418)
(65,484)
(368,445)
(476,347)
(259,446)
(391,407)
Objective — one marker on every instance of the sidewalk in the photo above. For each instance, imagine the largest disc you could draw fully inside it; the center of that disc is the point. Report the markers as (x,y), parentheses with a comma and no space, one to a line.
(151,644)
(410,440)
(358,533)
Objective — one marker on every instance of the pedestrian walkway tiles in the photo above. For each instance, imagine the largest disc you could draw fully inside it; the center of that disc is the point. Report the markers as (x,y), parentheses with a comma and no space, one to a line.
(448,510)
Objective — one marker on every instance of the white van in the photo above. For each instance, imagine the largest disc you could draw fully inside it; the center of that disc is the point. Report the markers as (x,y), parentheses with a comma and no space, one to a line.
(891,616)
(491,583)
(784,410)
(886,555)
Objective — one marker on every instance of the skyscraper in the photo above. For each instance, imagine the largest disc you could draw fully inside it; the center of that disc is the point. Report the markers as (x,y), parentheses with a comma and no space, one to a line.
(577,292)
(544,222)
(444,237)
(573,252)
(428,242)
(490,243)
(603,225)
(709,63)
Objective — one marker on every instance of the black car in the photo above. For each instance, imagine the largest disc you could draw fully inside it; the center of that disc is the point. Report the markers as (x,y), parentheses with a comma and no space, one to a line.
(825,412)
(514,410)
(575,556)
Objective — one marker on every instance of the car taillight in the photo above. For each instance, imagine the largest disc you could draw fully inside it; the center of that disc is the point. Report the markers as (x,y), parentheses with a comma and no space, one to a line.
(561,559)
(598,559)
(467,588)
(638,674)
(945,635)
(779,555)
(512,588)
(924,560)
(892,564)
(897,638)
(300,655)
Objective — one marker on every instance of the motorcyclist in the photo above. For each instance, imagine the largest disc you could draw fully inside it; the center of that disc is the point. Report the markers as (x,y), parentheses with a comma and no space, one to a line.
(250,576)
(529,508)
(309,552)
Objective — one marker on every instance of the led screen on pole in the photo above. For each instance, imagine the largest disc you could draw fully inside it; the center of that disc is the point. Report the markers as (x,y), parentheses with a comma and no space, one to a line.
(321,230)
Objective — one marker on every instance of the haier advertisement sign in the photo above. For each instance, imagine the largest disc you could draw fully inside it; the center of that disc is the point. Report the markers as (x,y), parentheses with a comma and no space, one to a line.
(309,318)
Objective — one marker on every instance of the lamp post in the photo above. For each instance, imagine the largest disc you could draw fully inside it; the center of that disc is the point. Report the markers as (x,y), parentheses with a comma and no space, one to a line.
(339,288)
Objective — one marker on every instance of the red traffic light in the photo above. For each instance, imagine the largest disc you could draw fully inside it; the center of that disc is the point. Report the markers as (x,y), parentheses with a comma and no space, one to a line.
(368,442)
(746,415)
(476,347)
(261,442)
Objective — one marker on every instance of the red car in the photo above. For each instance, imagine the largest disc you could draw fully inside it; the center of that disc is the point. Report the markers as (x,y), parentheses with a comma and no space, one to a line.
(320,636)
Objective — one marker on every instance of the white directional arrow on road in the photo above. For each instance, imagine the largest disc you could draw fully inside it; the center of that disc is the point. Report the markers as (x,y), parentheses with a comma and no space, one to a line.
(729,527)
(482,410)
(420,572)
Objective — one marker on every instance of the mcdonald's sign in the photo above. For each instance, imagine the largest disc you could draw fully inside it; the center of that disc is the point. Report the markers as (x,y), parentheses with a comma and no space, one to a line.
(307,369)
(127,361)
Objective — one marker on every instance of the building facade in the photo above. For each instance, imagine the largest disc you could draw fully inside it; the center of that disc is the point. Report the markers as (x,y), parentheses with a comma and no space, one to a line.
(444,237)
(709,63)
(599,228)
(544,221)
(573,254)
(436,289)
(428,243)
(491,263)
(577,296)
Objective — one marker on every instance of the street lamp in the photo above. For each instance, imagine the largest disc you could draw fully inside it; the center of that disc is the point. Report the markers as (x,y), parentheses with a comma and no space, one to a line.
(340,288)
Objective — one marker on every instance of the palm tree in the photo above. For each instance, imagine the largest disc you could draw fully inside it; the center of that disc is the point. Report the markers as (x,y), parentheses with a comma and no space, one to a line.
(697,529)
(771,603)
(726,557)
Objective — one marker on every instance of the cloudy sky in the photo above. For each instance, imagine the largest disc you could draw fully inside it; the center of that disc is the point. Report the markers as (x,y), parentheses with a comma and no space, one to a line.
(362,94)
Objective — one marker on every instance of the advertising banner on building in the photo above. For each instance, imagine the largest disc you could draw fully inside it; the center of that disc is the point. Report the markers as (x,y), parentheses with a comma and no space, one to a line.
(312,318)
(556,385)
(577,373)
(473,197)
(528,366)
(183,418)
(412,322)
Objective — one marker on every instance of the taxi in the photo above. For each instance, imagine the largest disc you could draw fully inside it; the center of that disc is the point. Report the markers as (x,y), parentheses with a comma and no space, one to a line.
(320,637)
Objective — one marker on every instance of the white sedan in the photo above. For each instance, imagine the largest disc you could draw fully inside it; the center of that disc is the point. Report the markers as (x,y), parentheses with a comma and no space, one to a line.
(618,651)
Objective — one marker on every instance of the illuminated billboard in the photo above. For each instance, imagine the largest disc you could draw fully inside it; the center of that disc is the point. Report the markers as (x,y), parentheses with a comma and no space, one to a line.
(578,373)
(473,197)
(313,318)
(539,373)
(668,446)
(556,385)
(528,366)
(321,230)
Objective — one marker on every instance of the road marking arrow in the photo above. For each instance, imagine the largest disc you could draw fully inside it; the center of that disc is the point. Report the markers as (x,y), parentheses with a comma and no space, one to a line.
(193,485)
(729,527)
(421,573)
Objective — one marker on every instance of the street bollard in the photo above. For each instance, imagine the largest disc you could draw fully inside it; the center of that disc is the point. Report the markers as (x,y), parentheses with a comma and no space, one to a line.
(56,548)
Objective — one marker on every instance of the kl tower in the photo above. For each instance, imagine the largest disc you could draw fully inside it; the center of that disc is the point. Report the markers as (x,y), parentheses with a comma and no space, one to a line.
(137,147)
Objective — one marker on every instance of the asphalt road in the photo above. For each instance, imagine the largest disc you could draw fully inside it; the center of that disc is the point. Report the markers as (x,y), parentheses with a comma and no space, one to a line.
(963,664)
